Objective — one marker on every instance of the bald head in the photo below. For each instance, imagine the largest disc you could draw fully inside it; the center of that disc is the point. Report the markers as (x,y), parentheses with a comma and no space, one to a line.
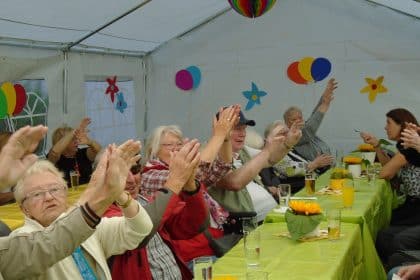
(292,115)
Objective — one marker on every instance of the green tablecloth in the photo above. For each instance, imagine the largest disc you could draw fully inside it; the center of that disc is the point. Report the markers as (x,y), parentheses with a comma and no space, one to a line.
(371,210)
(284,258)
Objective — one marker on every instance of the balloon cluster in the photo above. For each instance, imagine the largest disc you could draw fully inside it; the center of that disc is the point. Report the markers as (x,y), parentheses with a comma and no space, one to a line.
(252,8)
(12,99)
(309,69)
(189,78)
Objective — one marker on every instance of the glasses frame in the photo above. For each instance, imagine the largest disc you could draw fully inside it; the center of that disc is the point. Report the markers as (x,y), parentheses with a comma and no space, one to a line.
(39,195)
(170,146)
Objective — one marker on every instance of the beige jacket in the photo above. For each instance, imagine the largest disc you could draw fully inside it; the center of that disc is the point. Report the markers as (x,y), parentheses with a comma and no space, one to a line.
(113,236)
(28,254)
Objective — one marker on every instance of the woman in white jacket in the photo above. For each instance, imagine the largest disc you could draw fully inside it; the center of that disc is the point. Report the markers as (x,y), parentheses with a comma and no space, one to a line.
(41,194)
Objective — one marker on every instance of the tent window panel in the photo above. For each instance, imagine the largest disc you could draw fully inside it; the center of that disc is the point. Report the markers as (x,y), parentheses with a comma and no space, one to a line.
(109,125)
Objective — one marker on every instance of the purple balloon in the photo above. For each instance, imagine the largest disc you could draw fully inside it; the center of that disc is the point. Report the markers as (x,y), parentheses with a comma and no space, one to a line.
(184,80)
(320,69)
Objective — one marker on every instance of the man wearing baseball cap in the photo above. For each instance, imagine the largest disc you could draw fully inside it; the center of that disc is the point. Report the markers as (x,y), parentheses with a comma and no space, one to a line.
(241,190)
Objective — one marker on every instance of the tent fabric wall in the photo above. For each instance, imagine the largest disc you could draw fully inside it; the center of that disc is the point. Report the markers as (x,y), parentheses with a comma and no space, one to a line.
(23,63)
(359,38)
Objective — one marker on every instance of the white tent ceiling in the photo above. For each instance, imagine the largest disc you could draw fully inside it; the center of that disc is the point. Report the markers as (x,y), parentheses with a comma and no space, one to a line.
(57,24)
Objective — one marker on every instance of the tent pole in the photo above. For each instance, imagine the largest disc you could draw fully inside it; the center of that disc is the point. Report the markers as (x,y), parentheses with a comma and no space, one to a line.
(65,81)
(69,46)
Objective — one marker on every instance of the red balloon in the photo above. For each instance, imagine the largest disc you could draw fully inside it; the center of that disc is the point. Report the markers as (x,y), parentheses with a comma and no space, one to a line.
(293,74)
(20,99)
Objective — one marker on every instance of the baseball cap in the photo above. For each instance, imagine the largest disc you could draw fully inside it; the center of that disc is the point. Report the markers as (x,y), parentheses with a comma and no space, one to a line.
(242,119)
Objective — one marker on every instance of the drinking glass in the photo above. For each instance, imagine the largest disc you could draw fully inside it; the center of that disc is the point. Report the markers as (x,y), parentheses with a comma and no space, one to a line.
(283,193)
(74,179)
(371,173)
(348,193)
(355,170)
(334,223)
(252,242)
(203,268)
(310,178)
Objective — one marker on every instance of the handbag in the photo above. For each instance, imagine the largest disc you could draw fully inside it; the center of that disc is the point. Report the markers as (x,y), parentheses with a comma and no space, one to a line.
(223,244)
(232,233)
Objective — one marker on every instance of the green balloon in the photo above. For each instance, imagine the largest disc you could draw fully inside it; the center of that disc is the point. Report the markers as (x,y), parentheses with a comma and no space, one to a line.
(3,105)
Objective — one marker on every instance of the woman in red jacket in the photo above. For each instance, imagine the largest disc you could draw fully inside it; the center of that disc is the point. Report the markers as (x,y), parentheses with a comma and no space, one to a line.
(178,212)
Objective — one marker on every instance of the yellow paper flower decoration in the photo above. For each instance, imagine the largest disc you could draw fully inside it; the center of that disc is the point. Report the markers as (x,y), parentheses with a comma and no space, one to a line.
(366,148)
(305,208)
(374,87)
(352,160)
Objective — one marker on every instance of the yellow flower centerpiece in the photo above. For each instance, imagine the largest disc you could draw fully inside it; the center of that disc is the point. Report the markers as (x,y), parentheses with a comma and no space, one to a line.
(368,153)
(337,177)
(303,219)
(366,148)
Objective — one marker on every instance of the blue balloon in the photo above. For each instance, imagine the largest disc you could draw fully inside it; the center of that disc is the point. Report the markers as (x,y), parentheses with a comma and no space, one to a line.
(320,69)
(196,75)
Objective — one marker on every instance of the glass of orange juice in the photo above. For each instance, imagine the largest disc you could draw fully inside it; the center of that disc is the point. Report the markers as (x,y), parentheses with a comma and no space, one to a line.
(348,193)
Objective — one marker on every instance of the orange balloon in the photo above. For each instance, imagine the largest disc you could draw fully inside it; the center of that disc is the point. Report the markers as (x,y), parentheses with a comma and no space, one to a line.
(293,74)
(304,68)
(10,93)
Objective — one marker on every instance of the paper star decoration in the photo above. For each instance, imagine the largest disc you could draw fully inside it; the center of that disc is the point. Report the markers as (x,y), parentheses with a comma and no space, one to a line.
(112,88)
(374,87)
(121,105)
(253,96)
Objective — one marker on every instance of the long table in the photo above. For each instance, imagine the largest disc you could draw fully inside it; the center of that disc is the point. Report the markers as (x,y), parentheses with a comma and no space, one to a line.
(13,217)
(284,258)
(371,210)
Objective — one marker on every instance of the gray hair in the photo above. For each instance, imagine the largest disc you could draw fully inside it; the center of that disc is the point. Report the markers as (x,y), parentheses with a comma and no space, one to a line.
(38,167)
(253,139)
(271,126)
(153,141)
(290,111)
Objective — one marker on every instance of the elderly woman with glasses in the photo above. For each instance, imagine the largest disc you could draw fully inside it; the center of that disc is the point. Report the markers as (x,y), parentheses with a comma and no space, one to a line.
(216,161)
(41,194)
(179,213)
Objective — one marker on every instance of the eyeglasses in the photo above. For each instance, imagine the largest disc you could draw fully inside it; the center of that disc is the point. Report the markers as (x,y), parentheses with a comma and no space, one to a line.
(39,195)
(170,146)
(135,169)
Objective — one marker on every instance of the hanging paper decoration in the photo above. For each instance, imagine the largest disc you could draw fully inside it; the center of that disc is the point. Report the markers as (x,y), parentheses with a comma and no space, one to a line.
(112,88)
(251,8)
(189,78)
(309,69)
(12,99)
(121,105)
(253,96)
(374,88)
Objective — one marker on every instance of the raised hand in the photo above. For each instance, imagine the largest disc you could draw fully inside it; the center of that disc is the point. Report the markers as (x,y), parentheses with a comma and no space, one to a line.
(81,133)
(328,94)
(294,134)
(410,138)
(182,166)
(16,156)
(84,123)
(107,182)
(226,120)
